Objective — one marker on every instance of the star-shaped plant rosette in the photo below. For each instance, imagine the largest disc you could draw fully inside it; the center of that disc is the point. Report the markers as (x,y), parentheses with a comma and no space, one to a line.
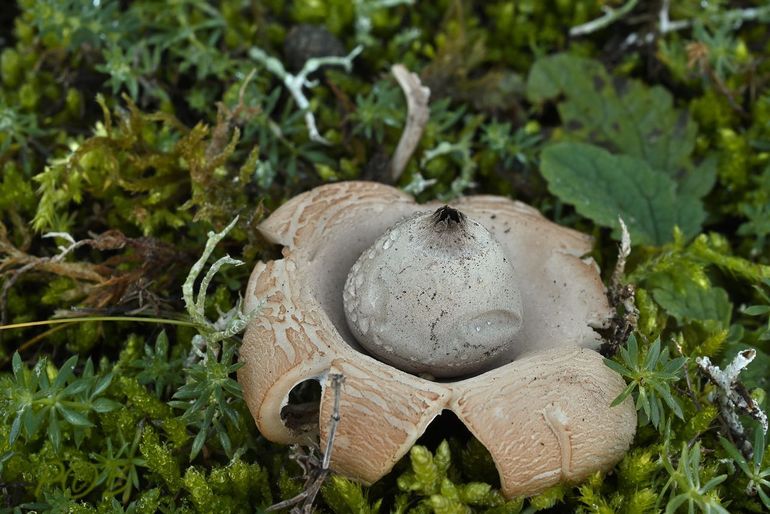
(509,349)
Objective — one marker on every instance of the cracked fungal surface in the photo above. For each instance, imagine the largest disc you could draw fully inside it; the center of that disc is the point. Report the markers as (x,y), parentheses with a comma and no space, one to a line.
(540,403)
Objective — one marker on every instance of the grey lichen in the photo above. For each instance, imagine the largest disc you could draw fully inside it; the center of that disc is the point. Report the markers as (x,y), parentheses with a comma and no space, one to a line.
(731,395)
(295,83)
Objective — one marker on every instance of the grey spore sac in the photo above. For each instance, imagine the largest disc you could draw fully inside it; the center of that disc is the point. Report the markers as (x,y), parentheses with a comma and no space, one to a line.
(435,294)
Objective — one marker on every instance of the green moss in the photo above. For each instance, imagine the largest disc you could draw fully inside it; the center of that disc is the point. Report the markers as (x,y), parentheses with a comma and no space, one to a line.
(160,460)
(137,128)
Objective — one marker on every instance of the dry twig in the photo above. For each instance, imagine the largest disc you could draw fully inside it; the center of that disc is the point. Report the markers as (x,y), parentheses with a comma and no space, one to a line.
(314,471)
(103,284)
(621,297)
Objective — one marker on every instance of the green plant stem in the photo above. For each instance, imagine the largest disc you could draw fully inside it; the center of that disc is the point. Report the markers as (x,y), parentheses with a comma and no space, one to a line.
(136,319)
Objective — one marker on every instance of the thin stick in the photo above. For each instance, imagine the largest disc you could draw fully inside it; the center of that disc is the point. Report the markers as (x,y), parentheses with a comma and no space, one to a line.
(334,420)
(317,476)
(95,318)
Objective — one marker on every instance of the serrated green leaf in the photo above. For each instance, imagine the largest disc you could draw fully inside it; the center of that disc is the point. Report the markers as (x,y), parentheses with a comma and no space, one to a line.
(674,365)
(31,421)
(603,187)
(622,115)
(665,393)
(701,180)
(686,300)
(651,360)
(631,355)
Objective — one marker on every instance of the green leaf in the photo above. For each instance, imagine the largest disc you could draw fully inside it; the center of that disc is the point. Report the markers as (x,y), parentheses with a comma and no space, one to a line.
(623,116)
(734,454)
(102,384)
(632,353)
(617,367)
(765,498)
(102,405)
(74,418)
(701,180)
(15,428)
(76,387)
(665,393)
(687,300)
(16,365)
(622,396)
(759,447)
(603,186)
(54,431)
(31,421)
(651,360)
(198,442)
(757,310)
(65,372)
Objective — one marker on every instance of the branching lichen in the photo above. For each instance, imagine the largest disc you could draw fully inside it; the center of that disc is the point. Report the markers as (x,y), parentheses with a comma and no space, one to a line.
(296,83)
(732,396)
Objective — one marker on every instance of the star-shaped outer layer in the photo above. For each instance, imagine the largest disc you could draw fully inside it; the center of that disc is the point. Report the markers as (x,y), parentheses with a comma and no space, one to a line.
(543,412)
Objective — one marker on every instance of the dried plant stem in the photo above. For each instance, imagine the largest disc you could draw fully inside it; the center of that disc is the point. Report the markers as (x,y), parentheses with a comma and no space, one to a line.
(315,472)
(53,264)
(621,295)
(418,113)
(85,319)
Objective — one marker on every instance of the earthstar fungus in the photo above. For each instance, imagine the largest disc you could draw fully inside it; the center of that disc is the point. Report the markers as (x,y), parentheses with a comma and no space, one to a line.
(536,394)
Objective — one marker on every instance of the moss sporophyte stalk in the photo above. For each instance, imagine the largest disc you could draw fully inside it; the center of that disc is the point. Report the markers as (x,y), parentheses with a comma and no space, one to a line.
(132,134)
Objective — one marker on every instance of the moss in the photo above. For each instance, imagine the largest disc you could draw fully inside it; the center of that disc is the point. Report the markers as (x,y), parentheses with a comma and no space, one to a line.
(137,129)
(160,460)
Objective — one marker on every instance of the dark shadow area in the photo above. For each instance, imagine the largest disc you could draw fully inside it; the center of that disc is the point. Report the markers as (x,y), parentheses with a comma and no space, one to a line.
(301,412)
(471,461)
(8,13)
